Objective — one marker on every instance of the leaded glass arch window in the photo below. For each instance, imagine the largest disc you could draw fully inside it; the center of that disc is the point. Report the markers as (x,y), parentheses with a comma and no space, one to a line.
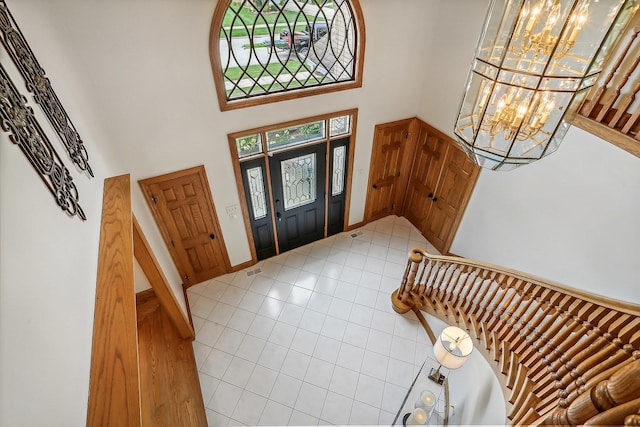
(271,50)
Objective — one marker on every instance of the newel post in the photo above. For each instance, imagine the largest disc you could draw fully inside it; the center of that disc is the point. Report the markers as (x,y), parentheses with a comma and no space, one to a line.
(401,298)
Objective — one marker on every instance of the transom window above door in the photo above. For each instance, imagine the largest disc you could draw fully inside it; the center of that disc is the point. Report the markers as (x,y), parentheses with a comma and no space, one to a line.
(271,50)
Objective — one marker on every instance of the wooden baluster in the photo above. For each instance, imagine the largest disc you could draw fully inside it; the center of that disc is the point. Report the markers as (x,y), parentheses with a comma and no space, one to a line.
(536,336)
(591,360)
(478,287)
(457,287)
(478,304)
(597,374)
(466,288)
(544,344)
(566,362)
(629,329)
(445,281)
(533,320)
(610,98)
(632,420)
(507,321)
(620,388)
(625,102)
(616,415)
(552,352)
(496,322)
(491,302)
(460,303)
(595,96)
(510,328)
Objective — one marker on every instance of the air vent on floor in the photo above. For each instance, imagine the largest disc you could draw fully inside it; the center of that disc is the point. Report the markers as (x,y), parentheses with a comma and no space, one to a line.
(252,272)
(356,234)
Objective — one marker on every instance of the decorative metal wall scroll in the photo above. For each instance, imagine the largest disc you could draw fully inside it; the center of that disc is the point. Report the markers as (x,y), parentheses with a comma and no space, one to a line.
(24,131)
(38,84)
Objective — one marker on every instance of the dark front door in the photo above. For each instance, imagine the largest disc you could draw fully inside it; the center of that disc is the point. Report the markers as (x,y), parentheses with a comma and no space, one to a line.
(298,185)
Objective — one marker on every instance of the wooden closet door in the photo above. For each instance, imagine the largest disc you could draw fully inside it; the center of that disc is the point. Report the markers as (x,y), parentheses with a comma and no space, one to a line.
(429,157)
(389,171)
(457,178)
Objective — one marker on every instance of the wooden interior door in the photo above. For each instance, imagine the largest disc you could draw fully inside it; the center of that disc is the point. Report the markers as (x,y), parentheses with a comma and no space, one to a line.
(457,178)
(429,158)
(183,209)
(389,170)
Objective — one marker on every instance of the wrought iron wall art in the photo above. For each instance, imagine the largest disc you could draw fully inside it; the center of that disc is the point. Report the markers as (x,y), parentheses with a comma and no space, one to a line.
(38,84)
(25,131)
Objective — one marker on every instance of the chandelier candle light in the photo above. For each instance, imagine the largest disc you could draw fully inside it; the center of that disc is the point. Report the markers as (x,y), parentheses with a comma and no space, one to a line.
(534,64)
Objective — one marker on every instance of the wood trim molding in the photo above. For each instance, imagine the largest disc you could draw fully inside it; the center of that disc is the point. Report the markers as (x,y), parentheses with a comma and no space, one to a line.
(159,282)
(114,383)
(242,266)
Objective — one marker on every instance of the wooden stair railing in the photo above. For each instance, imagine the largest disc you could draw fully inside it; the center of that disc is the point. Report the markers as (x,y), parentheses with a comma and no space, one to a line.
(612,109)
(563,356)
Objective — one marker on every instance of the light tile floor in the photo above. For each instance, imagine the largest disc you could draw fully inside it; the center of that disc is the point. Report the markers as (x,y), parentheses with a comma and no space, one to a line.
(312,338)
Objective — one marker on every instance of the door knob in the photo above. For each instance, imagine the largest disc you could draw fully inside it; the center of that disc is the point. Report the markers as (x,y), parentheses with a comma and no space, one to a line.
(278,216)
(375,186)
(212,236)
(430,195)
(435,199)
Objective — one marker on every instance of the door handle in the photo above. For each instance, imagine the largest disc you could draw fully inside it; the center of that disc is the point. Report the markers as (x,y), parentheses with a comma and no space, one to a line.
(430,195)
(435,199)
(278,216)
(375,186)
(212,236)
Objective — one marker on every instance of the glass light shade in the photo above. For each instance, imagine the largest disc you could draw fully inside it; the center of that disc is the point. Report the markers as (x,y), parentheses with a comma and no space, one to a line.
(453,347)
(534,64)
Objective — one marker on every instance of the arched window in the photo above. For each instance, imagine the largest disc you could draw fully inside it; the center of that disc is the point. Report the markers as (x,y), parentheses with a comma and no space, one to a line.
(270,50)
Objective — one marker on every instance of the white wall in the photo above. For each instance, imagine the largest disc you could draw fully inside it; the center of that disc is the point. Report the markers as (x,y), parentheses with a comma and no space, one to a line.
(147,68)
(474,390)
(136,80)
(48,264)
(571,217)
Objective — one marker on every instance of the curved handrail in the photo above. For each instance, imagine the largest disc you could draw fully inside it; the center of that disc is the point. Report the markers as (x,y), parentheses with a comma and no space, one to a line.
(550,345)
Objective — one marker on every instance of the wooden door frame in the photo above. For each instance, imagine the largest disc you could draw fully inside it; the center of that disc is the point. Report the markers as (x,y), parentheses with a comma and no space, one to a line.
(238,173)
(202,174)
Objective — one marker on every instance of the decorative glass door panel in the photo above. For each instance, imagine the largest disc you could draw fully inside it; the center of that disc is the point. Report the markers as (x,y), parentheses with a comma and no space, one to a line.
(255,187)
(299,181)
(298,185)
(338,156)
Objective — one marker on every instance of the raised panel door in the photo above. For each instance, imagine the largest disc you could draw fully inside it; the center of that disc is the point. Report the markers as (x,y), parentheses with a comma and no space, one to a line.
(182,206)
(457,176)
(389,170)
(429,157)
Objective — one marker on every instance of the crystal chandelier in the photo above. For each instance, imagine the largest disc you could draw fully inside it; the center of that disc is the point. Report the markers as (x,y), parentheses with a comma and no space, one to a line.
(534,64)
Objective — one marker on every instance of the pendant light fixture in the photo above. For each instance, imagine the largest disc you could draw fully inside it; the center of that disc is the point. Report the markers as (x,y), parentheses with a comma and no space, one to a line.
(534,64)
